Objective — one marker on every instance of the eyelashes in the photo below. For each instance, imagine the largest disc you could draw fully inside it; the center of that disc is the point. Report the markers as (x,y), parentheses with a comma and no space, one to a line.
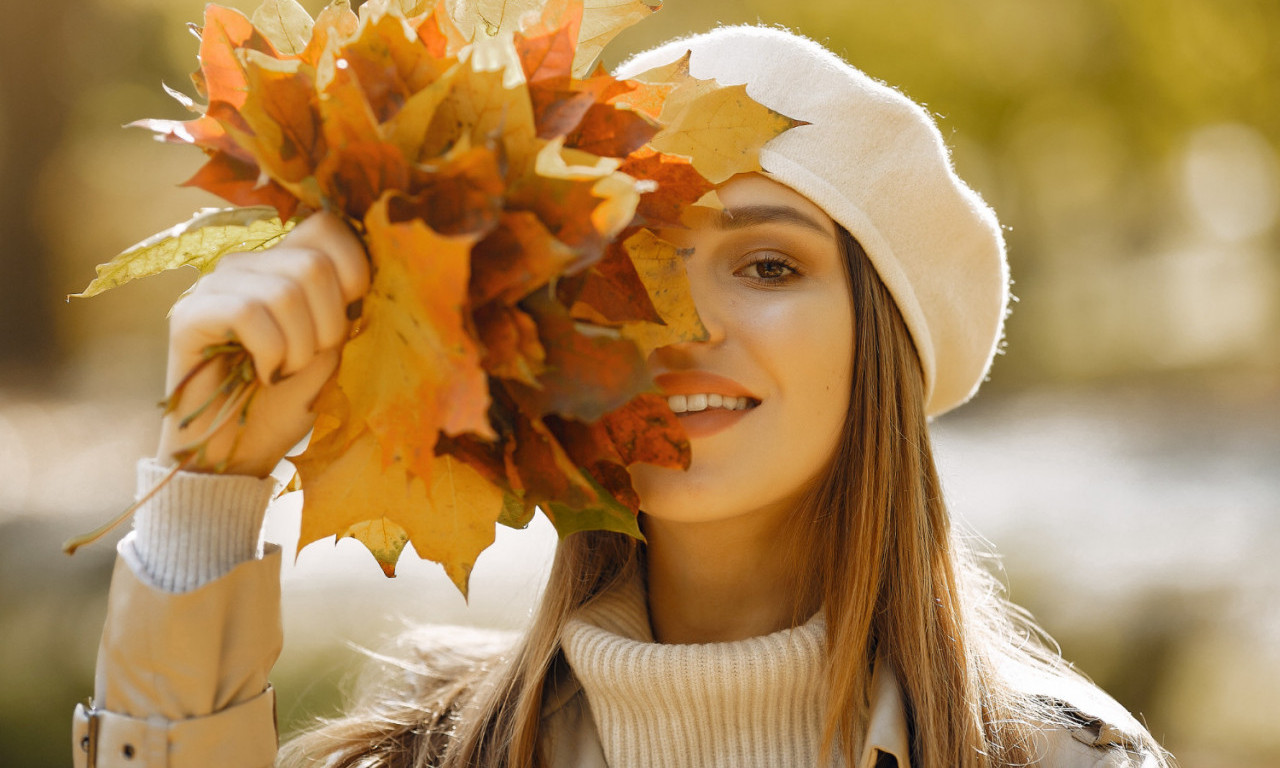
(770,268)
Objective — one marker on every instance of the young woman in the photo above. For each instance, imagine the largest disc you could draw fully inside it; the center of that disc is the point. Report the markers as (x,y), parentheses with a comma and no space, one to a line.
(800,598)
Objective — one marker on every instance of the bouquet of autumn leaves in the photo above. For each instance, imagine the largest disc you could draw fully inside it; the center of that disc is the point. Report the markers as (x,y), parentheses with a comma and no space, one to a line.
(507,196)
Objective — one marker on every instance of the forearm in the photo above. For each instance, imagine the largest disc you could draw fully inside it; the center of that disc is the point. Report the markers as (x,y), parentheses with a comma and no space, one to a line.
(192,631)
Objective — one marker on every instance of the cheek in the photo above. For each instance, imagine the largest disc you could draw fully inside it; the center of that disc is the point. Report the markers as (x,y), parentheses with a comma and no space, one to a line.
(808,347)
(812,364)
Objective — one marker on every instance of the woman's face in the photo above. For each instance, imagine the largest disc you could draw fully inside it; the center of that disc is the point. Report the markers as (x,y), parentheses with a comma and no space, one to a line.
(770,284)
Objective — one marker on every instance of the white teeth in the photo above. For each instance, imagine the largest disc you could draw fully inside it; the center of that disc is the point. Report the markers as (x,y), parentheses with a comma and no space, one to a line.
(701,402)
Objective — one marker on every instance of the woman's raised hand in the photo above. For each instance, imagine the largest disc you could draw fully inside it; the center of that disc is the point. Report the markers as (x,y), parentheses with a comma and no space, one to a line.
(288,307)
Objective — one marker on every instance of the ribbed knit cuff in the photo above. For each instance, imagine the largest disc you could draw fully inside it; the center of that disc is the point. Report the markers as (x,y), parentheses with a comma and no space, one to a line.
(197,527)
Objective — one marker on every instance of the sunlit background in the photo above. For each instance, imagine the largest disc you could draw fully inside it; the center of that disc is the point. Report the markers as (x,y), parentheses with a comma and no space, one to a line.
(1124,458)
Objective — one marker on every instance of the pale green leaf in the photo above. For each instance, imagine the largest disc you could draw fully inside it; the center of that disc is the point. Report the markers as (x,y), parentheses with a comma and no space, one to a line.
(515,513)
(199,243)
(606,515)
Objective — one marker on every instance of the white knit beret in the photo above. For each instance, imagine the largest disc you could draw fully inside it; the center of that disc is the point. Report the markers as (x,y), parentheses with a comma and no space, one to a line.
(876,163)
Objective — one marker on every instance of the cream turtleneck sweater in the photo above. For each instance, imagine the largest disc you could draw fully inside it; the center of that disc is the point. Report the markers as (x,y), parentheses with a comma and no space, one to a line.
(753,702)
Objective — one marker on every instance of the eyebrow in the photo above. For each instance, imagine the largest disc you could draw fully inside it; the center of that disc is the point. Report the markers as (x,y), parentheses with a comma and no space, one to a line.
(756,215)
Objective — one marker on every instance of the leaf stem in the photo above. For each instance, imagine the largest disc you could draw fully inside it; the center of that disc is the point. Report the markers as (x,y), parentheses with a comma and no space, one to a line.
(75,542)
(236,391)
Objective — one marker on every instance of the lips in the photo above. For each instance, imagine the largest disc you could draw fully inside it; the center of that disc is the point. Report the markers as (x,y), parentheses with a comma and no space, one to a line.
(705,402)
(701,383)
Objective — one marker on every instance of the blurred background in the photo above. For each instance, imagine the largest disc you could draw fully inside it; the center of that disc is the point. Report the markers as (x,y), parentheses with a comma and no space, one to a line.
(1124,459)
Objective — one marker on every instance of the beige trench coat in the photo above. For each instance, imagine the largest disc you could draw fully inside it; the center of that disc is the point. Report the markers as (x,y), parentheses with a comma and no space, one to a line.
(182,682)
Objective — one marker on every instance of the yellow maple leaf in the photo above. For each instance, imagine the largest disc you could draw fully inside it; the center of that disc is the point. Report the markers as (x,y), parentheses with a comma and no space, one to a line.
(413,369)
(718,127)
(350,492)
(602,20)
(661,269)
(285,23)
(481,106)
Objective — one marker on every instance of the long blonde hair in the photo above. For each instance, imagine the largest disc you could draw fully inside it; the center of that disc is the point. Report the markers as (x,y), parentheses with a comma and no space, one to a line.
(895,582)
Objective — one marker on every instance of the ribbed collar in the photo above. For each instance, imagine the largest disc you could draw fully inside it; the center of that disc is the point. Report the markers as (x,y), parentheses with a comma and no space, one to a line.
(750,702)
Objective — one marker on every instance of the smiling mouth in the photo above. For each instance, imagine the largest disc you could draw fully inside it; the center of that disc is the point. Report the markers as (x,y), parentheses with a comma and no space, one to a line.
(702,402)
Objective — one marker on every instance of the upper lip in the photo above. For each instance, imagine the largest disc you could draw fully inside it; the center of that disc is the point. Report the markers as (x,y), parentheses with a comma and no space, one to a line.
(700,382)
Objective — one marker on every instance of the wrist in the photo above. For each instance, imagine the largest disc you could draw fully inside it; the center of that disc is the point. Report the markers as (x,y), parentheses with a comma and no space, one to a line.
(198,526)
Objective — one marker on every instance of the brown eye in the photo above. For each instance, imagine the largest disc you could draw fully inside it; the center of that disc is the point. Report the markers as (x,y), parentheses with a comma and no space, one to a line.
(771,270)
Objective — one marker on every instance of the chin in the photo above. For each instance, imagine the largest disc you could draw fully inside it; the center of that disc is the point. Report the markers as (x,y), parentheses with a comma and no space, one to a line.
(681,496)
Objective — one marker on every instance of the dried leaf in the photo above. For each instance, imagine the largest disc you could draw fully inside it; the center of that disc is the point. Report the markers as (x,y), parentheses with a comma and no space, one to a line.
(511,346)
(515,513)
(221,76)
(482,108)
(582,205)
(440,33)
(413,370)
(646,430)
(546,51)
(679,186)
(539,468)
(199,242)
(384,539)
(461,194)
(336,22)
(205,132)
(519,256)
(242,182)
(720,128)
(498,362)
(606,515)
(611,131)
(285,23)
(281,111)
(661,268)
(647,98)
(602,20)
(390,63)
(609,291)
(590,447)
(589,370)
(408,128)
(449,519)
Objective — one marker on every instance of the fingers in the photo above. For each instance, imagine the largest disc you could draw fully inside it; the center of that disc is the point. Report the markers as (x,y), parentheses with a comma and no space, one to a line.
(328,234)
(267,306)
(204,319)
(285,305)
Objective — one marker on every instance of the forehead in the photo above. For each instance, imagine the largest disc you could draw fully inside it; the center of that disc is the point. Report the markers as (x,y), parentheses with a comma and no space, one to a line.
(752,199)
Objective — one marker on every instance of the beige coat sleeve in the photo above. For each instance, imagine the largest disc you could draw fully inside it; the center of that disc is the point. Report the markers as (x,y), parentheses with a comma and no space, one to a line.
(182,677)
